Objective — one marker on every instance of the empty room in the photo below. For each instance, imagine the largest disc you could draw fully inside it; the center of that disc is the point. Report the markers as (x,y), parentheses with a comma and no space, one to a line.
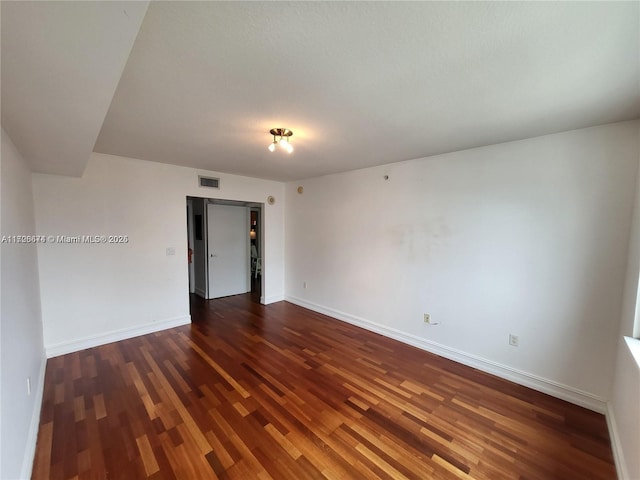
(307,240)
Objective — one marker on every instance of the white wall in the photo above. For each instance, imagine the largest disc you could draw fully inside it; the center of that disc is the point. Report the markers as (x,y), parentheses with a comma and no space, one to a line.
(624,408)
(21,345)
(630,295)
(96,293)
(527,237)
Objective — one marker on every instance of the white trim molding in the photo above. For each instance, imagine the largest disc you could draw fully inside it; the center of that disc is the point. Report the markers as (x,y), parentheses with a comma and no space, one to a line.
(616,445)
(32,436)
(272,299)
(625,403)
(114,336)
(550,387)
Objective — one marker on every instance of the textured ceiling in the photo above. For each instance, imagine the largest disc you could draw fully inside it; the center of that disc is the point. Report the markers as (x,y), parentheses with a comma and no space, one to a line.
(61,63)
(364,83)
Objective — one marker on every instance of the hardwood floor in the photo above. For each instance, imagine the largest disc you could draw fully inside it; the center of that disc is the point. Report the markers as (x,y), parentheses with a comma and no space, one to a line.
(249,391)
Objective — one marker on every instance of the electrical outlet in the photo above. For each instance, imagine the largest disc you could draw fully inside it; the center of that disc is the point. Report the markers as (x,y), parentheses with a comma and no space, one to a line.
(304,285)
(170,251)
(514,340)
(28,386)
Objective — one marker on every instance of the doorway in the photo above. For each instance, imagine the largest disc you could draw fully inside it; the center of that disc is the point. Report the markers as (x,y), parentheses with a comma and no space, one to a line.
(225,247)
(255,234)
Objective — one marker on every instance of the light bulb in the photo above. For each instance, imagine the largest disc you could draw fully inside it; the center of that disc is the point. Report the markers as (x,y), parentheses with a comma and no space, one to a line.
(285,145)
(272,147)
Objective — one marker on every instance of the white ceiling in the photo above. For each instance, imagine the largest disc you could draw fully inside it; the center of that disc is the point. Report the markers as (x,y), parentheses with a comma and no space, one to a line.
(61,63)
(359,83)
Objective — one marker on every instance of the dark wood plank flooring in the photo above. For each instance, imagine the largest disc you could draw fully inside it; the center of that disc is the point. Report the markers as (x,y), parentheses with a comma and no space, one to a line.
(251,391)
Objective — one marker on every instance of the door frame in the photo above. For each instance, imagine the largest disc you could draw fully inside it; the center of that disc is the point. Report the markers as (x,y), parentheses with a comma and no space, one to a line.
(190,245)
(260,237)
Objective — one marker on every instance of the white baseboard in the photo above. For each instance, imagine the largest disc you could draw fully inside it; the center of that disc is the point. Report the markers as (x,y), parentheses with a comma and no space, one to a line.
(200,293)
(32,436)
(114,336)
(616,445)
(550,387)
(272,299)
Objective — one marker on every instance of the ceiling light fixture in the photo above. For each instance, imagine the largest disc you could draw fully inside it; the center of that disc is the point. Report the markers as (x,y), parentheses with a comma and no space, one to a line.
(283,142)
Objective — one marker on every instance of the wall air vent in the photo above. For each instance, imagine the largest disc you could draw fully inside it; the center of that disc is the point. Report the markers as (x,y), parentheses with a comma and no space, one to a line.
(208,182)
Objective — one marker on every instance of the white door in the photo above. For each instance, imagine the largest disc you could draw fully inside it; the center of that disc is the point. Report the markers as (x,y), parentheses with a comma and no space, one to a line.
(228,247)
